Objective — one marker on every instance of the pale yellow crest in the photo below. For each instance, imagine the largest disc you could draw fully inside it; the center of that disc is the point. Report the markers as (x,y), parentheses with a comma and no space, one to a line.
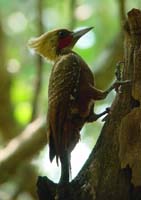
(45,45)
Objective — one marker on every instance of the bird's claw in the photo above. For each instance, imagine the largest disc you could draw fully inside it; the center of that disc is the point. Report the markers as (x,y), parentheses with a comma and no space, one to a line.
(117,85)
(107,111)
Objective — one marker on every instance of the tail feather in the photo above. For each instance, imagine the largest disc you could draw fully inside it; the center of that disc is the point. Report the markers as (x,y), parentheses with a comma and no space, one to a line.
(52,151)
(65,168)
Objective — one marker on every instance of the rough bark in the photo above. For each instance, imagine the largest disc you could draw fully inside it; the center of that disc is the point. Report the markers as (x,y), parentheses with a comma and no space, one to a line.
(113,168)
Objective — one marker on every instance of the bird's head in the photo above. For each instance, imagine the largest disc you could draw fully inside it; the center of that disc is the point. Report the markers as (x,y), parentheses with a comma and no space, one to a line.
(52,44)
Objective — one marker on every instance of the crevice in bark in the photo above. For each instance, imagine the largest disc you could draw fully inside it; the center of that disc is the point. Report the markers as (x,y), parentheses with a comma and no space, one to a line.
(134,103)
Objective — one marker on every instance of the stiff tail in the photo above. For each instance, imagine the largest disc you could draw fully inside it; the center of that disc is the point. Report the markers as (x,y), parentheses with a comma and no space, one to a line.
(65,168)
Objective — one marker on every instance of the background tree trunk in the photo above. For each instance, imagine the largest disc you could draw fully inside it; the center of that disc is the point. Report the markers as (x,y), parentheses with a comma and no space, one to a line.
(8,127)
(113,170)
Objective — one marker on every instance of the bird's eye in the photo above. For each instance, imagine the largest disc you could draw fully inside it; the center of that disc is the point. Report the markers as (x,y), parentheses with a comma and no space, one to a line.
(63,33)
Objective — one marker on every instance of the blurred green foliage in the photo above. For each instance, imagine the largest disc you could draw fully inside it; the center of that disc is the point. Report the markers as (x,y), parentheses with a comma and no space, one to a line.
(19,21)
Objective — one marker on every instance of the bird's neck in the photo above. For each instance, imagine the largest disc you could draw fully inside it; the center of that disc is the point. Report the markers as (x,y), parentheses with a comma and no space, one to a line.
(61,53)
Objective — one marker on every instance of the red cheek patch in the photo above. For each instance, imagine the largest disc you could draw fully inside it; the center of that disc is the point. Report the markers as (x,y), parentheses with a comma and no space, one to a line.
(64,42)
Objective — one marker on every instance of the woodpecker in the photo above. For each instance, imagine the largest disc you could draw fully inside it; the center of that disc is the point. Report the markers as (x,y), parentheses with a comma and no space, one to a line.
(71,93)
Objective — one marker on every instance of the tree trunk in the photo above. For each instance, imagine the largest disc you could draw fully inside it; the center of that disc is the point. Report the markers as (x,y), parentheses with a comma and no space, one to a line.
(113,170)
(8,126)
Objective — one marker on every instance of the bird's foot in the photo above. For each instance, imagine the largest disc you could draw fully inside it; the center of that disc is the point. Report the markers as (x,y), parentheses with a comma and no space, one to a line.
(117,85)
(93,117)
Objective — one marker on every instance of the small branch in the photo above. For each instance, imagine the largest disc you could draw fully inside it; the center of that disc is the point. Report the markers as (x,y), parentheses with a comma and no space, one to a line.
(21,148)
(38,84)
(8,126)
(122,10)
(72,18)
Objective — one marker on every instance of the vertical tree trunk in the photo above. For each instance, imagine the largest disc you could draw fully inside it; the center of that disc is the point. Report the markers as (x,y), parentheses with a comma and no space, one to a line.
(39,65)
(8,126)
(113,170)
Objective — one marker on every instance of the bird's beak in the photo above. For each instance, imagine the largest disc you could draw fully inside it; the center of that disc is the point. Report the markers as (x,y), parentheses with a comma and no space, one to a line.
(76,35)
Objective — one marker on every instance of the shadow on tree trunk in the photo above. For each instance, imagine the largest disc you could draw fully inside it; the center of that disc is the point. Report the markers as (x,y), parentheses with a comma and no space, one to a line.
(113,170)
